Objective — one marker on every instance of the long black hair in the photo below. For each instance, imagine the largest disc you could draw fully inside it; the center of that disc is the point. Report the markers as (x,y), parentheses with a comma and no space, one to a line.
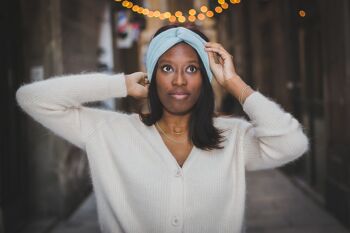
(201,127)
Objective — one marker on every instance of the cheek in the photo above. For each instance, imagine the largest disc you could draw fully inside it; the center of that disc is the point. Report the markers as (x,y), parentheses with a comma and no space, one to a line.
(163,86)
(196,85)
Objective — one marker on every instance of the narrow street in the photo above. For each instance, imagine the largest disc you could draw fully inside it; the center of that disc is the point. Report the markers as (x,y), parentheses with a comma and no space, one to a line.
(274,205)
(83,220)
(62,61)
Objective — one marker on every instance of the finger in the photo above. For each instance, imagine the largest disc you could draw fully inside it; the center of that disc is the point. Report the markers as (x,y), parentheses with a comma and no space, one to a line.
(145,81)
(216,49)
(217,57)
(220,47)
(144,74)
(141,78)
(224,55)
(211,44)
(140,75)
(211,58)
(214,45)
(145,91)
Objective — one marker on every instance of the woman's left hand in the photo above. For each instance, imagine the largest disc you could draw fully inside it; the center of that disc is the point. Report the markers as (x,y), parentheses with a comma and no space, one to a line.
(221,63)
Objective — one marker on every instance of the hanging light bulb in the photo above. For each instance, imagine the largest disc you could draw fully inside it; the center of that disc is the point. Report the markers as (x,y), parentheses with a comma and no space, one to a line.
(192,16)
(178,14)
(224,5)
(192,12)
(182,19)
(172,19)
(201,16)
(204,9)
(218,9)
(302,13)
(210,14)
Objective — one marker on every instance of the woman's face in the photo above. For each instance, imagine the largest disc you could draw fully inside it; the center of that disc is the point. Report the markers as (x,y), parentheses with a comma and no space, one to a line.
(178,79)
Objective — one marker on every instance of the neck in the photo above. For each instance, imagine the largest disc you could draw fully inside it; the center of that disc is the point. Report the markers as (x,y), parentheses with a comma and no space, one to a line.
(175,123)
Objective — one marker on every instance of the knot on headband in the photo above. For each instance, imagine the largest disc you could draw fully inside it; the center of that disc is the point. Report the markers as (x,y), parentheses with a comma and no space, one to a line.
(165,40)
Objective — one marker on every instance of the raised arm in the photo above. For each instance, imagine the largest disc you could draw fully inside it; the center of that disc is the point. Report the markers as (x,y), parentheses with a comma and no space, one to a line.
(56,103)
(273,137)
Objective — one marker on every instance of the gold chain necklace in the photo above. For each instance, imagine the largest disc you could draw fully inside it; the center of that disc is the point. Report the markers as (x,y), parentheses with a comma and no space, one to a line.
(177,132)
(168,137)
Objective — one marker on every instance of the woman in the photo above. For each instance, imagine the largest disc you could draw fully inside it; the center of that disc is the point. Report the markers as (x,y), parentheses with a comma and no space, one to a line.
(178,169)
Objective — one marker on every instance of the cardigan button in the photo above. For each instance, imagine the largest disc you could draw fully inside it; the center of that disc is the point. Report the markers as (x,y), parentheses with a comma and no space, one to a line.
(175,221)
(178,173)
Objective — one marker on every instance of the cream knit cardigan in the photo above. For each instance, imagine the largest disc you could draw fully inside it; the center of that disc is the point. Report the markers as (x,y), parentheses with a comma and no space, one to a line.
(139,186)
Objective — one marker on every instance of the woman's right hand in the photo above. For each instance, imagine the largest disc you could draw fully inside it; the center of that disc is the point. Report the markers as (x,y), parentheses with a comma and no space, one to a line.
(134,85)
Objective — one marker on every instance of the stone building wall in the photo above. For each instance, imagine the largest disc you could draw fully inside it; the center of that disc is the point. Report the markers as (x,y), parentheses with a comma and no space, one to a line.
(53,37)
(302,63)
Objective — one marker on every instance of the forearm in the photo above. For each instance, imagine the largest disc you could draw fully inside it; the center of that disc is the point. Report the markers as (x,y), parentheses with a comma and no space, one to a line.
(71,90)
(56,103)
(274,136)
(235,87)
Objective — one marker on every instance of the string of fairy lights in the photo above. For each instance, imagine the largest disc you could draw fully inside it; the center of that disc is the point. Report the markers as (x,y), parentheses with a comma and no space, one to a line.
(191,15)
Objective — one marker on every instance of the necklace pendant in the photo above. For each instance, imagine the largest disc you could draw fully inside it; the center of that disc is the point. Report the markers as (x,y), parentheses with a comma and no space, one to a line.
(177,131)
(167,136)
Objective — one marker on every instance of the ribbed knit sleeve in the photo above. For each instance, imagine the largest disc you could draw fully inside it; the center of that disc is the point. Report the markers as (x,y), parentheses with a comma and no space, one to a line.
(273,137)
(56,103)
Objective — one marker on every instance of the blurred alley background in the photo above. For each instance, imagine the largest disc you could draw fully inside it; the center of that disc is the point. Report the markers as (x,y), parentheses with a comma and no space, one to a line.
(295,51)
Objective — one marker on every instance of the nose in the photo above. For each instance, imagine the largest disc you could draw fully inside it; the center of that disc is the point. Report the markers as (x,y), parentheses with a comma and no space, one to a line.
(179,79)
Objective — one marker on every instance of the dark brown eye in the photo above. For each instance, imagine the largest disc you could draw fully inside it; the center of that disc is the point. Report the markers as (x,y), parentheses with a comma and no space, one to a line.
(191,69)
(167,68)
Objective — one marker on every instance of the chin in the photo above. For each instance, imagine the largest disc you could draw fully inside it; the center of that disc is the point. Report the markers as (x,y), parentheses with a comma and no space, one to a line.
(179,111)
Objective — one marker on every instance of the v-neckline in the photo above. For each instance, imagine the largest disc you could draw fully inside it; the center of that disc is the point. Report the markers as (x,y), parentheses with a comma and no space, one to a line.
(170,158)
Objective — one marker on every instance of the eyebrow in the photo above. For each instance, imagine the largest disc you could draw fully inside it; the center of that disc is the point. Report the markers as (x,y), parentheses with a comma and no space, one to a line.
(168,61)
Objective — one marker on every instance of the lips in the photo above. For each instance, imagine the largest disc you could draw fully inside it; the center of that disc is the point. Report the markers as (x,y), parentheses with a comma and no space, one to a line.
(179,95)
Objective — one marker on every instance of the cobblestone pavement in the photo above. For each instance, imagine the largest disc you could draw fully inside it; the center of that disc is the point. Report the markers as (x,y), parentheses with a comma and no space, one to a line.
(274,205)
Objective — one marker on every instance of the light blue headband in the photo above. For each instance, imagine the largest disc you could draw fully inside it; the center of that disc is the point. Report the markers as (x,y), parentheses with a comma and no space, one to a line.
(165,40)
